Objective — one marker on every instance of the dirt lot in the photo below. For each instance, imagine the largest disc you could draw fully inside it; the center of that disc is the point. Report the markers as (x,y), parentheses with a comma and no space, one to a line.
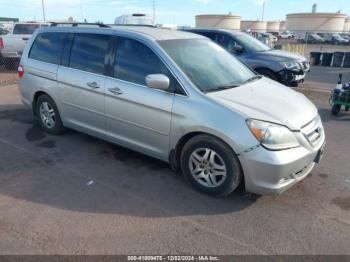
(74,194)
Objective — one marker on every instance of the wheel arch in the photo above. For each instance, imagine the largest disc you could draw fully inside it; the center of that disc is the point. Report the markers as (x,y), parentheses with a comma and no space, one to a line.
(175,153)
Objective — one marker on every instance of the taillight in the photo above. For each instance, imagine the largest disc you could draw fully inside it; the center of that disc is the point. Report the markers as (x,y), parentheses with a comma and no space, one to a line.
(1,43)
(20,71)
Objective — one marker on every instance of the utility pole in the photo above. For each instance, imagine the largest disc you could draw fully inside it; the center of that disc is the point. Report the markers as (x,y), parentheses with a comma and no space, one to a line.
(154,11)
(263,10)
(43,6)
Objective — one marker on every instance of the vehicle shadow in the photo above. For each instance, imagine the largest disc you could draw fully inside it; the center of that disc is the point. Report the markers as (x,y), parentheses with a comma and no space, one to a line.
(81,173)
(327,116)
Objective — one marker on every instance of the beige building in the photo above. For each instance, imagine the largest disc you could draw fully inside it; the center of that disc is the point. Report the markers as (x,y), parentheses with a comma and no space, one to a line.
(223,21)
(315,22)
(256,26)
(273,26)
(347,25)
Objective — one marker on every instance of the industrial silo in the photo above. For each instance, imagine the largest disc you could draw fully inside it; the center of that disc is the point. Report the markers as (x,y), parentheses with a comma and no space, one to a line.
(220,21)
(255,26)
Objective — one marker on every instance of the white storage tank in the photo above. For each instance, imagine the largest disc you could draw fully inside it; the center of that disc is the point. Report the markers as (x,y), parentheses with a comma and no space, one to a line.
(347,25)
(282,26)
(221,21)
(315,22)
(273,26)
(255,26)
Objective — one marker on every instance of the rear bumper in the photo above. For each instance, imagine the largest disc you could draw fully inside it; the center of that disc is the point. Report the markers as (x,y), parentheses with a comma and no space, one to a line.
(273,172)
(16,55)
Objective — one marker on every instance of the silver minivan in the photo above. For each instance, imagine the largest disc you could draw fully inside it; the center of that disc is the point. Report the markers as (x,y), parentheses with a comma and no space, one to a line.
(175,96)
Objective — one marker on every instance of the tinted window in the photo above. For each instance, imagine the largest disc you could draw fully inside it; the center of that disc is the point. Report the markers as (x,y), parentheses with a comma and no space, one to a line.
(208,34)
(134,61)
(88,52)
(48,47)
(227,42)
(25,29)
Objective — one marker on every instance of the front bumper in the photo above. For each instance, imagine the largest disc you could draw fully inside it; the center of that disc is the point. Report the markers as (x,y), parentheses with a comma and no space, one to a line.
(273,172)
(288,77)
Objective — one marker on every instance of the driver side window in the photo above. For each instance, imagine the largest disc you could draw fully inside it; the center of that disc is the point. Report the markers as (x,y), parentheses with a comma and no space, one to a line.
(227,42)
(134,61)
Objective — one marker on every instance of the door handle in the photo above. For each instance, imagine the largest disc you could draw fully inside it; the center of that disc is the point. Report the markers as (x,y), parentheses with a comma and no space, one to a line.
(93,85)
(25,38)
(115,90)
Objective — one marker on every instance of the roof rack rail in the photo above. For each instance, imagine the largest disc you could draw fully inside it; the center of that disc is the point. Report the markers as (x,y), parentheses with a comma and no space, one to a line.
(77,24)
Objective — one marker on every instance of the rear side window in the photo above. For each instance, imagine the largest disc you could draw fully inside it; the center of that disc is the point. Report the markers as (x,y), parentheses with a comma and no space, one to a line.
(25,29)
(88,52)
(48,47)
(134,61)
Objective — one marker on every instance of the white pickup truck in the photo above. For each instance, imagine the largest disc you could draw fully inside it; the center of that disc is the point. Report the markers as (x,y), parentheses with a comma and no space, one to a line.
(13,43)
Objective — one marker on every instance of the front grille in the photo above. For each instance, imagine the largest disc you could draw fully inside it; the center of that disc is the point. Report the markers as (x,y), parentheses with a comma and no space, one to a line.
(313,131)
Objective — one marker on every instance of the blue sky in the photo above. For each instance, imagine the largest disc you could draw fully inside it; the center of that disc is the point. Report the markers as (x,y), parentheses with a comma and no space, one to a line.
(181,12)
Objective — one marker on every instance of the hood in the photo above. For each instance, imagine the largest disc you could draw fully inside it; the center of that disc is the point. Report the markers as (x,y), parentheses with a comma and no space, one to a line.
(269,101)
(282,56)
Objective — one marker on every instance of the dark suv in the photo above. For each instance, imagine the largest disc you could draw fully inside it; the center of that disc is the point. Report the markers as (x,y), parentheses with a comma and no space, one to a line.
(285,67)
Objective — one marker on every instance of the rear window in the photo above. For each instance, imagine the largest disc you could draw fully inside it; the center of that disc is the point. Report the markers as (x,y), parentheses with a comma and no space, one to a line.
(25,29)
(48,47)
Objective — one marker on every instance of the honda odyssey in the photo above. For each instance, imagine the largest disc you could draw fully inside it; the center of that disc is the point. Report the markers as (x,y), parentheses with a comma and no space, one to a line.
(175,96)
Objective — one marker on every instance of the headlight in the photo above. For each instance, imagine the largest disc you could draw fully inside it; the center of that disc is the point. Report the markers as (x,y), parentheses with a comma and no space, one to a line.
(291,65)
(272,136)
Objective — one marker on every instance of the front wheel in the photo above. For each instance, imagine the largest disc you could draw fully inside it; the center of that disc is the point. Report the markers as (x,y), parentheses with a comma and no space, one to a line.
(268,73)
(210,165)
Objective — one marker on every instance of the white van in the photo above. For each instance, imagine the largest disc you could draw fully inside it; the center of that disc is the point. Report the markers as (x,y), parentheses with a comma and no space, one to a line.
(134,19)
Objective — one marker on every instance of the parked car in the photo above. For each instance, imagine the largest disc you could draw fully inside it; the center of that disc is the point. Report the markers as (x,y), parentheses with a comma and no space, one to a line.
(336,39)
(266,38)
(13,43)
(276,34)
(175,96)
(313,38)
(287,35)
(3,31)
(281,66)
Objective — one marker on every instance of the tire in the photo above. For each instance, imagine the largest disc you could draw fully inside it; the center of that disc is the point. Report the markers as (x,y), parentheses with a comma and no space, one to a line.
(347,108)
(48,116)
(268,73)
(336,109)
(194,163)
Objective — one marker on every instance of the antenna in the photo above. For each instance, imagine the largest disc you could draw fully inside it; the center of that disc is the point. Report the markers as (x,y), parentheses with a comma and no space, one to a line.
(43,6)
(154,11)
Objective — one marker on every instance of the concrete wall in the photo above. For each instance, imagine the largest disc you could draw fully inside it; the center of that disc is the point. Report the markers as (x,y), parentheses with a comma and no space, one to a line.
(273,26)
(315,22)
(222,21)
(256,26)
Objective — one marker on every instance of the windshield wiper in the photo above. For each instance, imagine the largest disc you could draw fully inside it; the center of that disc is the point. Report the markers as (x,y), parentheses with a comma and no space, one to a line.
(253,78)
(220,88)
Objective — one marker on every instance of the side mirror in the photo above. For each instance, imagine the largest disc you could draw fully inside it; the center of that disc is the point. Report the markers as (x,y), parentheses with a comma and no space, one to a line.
(158,81)
(238,49)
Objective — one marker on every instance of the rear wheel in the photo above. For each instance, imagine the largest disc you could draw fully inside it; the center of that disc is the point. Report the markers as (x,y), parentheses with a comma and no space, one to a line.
(336,109)
(48,115)
(210,165)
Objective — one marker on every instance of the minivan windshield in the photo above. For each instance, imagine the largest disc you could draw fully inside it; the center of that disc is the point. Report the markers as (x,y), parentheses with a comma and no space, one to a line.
(210,67)
(251,43)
